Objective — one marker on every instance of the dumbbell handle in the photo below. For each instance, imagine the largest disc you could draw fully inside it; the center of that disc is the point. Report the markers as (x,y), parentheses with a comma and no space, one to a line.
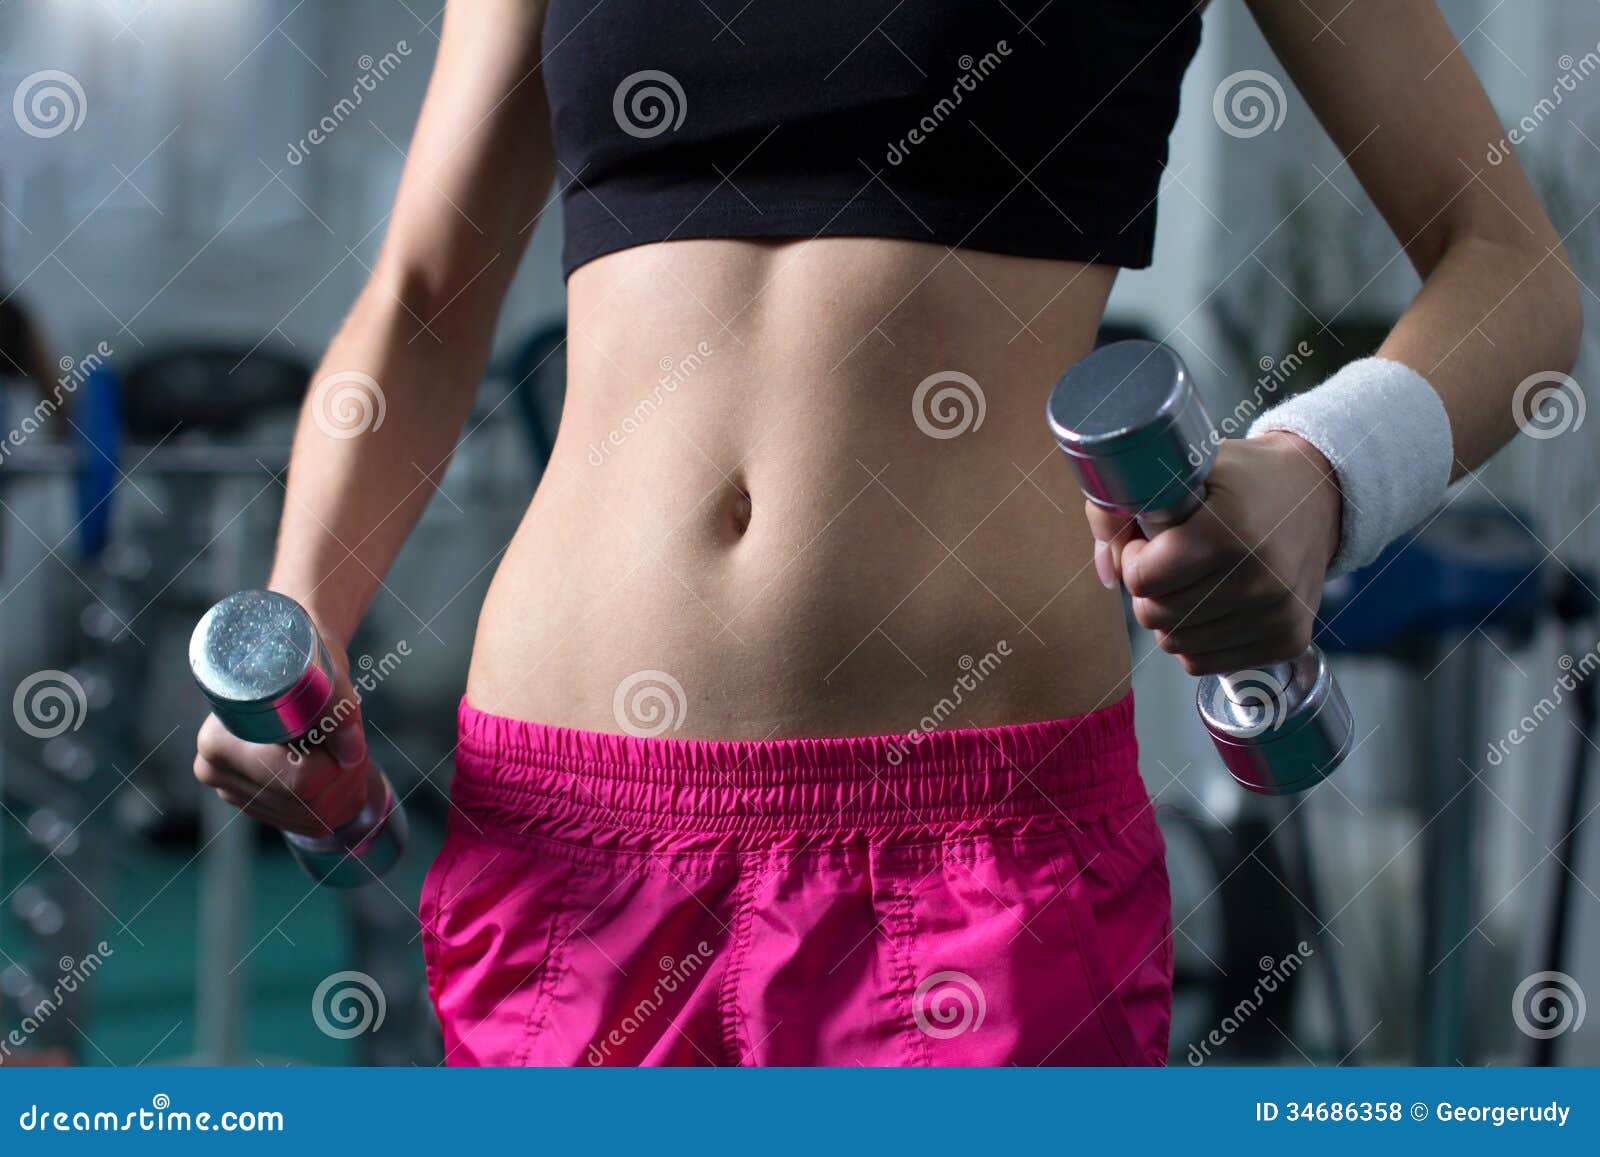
(1241,687)
(269,678)
(366,847)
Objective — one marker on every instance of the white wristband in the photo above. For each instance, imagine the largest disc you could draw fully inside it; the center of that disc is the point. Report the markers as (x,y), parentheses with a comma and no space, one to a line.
(1386,434)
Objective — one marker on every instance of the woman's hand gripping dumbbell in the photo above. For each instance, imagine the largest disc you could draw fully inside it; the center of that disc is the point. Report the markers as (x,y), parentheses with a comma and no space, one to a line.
(1223,545)
(285,742)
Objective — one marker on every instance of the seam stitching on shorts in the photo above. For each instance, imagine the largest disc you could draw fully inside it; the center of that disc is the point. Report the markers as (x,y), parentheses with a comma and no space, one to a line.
(1081,934)
(554,962)
(728,1010)
(921,1051)
(436,970)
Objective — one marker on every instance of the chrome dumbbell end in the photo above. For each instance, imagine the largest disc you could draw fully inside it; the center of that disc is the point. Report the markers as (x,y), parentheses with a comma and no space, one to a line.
(260,663)
(1279,730)
(264,669)
(1130,420)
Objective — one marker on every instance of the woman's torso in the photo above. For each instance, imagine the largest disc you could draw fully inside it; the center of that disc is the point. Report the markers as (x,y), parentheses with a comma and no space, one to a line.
(959,181)
(755,498)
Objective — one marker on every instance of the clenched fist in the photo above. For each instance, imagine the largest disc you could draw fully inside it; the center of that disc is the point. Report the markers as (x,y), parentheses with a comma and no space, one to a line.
(1237,585)
(309,790)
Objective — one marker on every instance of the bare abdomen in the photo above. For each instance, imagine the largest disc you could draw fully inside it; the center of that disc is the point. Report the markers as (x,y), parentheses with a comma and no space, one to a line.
(752,510)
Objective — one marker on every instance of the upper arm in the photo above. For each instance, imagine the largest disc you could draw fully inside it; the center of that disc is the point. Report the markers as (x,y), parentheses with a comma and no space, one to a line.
(1395,92)
(478,168)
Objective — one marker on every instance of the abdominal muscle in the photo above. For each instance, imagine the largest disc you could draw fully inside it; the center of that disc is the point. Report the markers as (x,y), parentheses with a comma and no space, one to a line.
(746,530)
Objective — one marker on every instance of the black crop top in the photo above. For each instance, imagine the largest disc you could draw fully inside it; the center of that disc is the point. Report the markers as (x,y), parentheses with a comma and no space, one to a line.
(1029,127)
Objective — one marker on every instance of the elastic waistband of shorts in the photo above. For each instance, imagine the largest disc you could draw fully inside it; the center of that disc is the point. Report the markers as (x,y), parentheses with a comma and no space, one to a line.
(1075,769)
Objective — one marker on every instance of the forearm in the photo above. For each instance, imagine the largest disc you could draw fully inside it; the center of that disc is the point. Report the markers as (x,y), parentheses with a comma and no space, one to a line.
(352,498)
(1489,314)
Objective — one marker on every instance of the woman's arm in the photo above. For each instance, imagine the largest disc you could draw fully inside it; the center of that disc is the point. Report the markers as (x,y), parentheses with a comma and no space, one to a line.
(1498,302)
(479,167)
(1238,584)
(419,336)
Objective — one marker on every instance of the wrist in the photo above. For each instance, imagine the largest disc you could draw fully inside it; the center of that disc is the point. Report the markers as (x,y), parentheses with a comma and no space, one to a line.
(1386,433)
(1323,504)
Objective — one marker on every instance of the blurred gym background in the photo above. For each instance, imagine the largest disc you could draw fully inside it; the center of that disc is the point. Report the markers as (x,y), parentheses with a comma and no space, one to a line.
(191,194)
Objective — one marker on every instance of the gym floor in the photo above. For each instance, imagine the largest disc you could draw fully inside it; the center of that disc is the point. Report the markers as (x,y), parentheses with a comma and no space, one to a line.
(143,1009)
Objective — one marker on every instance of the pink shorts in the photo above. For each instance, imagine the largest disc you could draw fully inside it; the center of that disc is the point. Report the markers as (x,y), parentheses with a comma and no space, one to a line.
(976,897)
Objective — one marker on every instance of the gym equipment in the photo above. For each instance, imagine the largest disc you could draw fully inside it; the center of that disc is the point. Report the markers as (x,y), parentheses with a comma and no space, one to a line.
(180,387)
(1467,571)
(99,429)
(1129,418)
(266,672)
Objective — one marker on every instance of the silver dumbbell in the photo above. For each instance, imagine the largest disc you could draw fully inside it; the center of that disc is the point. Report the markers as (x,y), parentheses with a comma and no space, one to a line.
(1129,418)
(266,672)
